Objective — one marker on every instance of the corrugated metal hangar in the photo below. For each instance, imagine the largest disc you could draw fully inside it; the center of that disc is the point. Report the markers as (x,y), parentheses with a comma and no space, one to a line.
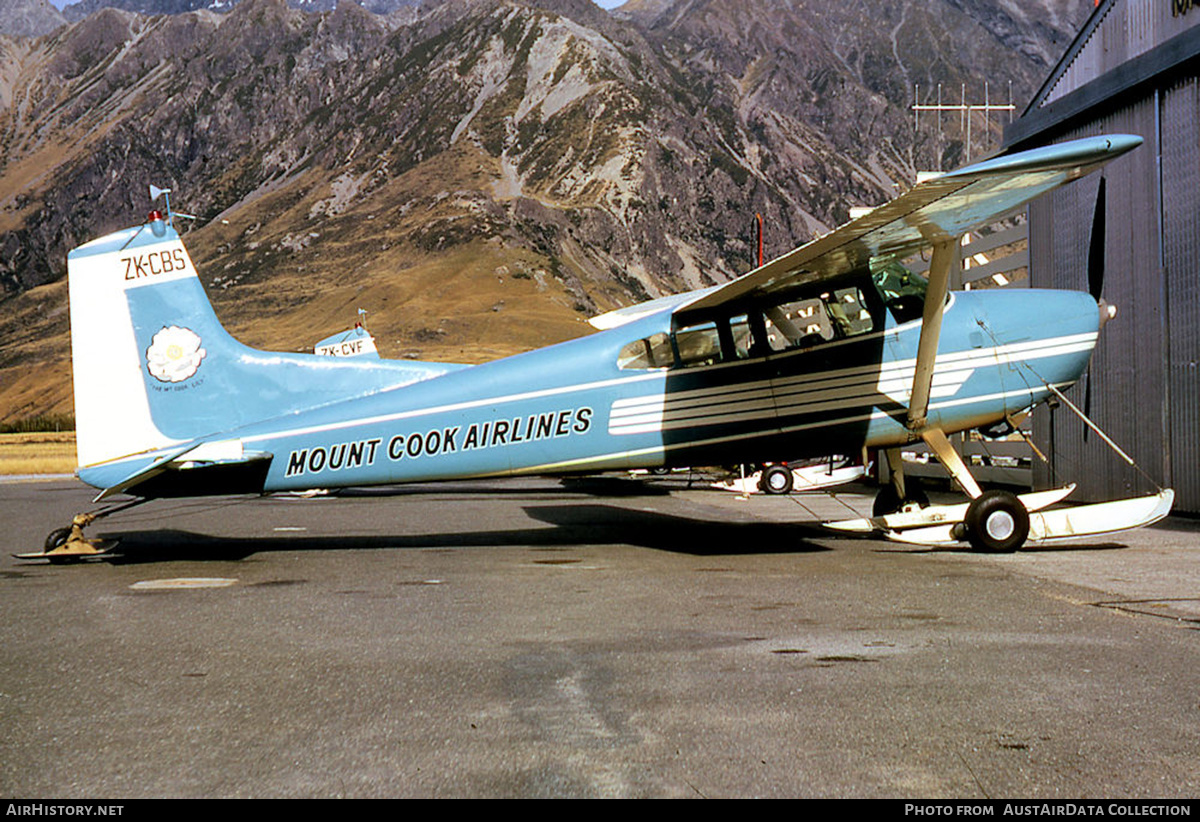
(1132,69)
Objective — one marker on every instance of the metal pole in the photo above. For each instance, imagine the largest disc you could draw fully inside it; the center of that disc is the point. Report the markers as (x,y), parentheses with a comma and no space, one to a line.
(760,239)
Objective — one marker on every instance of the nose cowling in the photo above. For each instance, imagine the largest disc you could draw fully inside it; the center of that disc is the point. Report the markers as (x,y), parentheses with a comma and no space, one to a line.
(1046,335)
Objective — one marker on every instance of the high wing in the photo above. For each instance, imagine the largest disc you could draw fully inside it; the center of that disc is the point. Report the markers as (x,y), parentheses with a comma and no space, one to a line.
(934,212)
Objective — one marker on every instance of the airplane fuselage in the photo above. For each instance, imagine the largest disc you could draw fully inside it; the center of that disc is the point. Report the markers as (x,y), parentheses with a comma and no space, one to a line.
(585,406)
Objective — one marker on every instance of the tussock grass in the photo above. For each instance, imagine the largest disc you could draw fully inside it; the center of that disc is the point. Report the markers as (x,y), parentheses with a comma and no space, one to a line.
(37,453)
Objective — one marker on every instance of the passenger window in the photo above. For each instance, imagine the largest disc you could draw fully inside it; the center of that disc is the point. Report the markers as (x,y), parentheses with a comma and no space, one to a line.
(798,324)
(849,312)
(698,345)
(708,343)
(652,352)
(743,337)
(835,314)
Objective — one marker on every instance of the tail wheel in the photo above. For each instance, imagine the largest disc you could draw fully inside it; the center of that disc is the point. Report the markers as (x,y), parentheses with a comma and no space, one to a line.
(996,522)
(776,479)
(57,538)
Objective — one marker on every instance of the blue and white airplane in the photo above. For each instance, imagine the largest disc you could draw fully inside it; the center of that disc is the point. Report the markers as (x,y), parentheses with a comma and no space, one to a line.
(830,348)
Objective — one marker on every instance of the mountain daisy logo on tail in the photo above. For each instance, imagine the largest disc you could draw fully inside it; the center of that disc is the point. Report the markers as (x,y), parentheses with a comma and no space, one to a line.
(174,354)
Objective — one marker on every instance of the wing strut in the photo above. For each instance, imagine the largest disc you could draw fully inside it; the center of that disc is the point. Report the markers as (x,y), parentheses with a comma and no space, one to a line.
(935,438)
(944,253)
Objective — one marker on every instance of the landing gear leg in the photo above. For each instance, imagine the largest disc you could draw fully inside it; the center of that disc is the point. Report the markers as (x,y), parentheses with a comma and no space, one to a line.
(951,461)
(70,545)
(996,521)
(900,491)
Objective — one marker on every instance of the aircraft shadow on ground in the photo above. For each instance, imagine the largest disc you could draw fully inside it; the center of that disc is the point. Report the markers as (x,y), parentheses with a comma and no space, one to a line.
(1030,548)
(570,486)
(1065,547)
(572,526)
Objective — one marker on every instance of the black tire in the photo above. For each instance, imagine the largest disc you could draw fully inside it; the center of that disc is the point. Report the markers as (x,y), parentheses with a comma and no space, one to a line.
(57,538)
(996,523)
(887,501)
(776,479)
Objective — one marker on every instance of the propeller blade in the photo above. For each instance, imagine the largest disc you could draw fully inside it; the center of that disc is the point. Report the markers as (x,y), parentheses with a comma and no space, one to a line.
(1095,272)
(1095,262)
(1087,399)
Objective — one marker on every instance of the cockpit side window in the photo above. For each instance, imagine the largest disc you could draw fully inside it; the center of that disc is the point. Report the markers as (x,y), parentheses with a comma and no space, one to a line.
(902,291)
(848,309)
(795,324)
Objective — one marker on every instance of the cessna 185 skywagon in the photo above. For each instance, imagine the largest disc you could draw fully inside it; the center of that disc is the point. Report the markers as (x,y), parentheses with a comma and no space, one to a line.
(828,349)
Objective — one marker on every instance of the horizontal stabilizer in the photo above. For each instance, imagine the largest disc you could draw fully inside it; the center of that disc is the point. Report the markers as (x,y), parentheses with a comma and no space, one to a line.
(225,466)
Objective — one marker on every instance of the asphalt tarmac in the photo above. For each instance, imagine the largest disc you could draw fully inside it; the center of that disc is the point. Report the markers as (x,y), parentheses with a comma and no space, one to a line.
(598,638)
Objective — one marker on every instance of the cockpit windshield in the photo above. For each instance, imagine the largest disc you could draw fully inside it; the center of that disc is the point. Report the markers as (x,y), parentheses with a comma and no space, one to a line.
(902,291)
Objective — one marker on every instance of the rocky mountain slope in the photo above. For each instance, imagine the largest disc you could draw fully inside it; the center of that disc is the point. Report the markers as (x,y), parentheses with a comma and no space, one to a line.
(481,175)
(29,18)
(83,8)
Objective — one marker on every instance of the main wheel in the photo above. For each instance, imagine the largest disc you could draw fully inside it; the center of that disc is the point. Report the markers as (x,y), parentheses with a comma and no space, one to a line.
(887,501)
(996,522)
(776,479)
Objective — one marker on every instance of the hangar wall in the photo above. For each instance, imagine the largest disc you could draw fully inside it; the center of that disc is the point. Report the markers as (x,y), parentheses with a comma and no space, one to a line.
(1181,262)
(1133,69)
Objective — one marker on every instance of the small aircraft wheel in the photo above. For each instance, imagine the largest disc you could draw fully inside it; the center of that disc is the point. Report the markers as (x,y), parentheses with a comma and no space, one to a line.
(996,522)
(776,479)
(887,501)
(57,538)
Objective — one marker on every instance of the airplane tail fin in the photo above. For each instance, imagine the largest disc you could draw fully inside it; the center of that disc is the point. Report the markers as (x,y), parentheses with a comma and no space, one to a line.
(118,363)
(154,368)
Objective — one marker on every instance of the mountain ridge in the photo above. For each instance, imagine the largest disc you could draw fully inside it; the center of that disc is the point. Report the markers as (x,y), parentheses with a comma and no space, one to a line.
(570,160)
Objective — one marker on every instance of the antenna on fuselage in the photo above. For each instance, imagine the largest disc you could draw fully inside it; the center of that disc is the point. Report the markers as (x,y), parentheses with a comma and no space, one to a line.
(156,192)
(165,193)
